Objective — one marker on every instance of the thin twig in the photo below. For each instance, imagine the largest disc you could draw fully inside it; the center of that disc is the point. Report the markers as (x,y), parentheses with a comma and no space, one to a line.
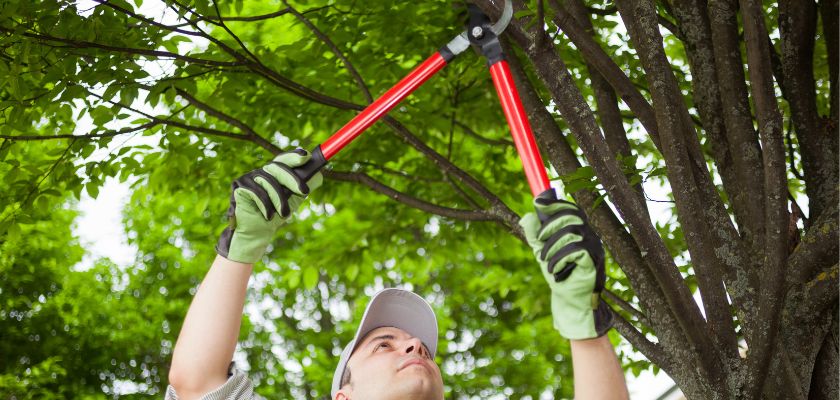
(379,187)
(38,184)
(145,52)
(470,132)
(324,38)
(84,137)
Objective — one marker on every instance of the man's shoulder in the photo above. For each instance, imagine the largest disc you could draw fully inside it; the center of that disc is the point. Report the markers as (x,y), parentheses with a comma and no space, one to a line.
(237,387)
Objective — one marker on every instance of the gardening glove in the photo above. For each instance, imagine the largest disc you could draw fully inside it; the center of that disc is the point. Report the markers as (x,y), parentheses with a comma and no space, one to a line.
(262,200)
(571,259)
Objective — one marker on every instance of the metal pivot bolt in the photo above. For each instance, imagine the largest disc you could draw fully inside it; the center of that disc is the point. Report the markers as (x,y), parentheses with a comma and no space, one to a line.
(477,32)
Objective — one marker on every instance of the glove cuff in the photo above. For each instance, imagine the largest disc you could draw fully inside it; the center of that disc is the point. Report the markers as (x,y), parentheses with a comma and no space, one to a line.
(604,318)
(243,246)
(581,323)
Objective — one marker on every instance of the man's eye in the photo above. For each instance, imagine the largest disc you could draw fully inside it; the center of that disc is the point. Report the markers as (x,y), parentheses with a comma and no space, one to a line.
(382,345)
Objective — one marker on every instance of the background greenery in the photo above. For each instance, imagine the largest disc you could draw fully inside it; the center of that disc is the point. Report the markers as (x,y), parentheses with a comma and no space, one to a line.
(177,102)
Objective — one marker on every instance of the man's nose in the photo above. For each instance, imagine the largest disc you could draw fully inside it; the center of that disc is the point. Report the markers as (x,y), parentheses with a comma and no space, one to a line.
(414,345)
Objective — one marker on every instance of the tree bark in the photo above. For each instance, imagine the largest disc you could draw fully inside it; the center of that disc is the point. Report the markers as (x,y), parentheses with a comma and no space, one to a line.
(620,244)
(742,137)
(798,25)
(824,384)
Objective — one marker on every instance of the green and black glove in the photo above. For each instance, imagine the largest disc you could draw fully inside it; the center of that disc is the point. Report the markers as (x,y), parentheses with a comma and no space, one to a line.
(262,201)
(571,259)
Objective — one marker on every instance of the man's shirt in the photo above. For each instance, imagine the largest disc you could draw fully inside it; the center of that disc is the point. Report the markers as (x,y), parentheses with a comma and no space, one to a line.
(237,387)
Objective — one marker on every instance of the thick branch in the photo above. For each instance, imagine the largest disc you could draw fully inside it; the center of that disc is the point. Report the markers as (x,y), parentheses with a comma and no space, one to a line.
(598,58)
(798,26)
(699,207)
(821,292)
(552,70)
(741,136)
(652,351)
(829,10)
(691,15)
(699,45)
(574,109)
(762,341)
(620,244)
(818,248)
(365,179)
(609,114)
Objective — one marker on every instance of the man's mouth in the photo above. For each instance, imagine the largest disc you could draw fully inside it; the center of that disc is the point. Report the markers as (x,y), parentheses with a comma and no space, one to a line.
(413,361)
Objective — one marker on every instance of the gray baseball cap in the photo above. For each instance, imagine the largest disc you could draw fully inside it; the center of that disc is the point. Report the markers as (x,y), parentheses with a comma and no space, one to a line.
(397,308)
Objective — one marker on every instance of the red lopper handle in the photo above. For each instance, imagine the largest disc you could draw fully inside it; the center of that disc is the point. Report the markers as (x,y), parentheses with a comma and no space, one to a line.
(520,128)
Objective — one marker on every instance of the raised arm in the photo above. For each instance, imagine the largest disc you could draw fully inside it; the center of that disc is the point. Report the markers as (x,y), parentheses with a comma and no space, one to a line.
(261,202)
(207,340)
(597,372)
(571,259)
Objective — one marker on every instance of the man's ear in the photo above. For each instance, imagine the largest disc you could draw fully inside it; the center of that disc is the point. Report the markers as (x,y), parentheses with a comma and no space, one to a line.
(343,394)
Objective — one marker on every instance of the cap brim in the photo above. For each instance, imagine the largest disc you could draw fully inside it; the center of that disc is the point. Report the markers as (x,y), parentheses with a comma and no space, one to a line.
(396,308)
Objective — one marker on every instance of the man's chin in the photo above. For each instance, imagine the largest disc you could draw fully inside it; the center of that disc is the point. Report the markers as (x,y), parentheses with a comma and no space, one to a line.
(418,383)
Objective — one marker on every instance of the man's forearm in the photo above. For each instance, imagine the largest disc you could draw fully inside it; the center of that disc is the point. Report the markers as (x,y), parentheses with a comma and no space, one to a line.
(208,337)
(598,374)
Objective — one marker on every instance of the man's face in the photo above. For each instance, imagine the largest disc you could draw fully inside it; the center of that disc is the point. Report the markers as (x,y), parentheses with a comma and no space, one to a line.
(391,364)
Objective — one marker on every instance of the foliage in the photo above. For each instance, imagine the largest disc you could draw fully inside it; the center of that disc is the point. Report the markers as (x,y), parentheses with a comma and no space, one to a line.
(178,99)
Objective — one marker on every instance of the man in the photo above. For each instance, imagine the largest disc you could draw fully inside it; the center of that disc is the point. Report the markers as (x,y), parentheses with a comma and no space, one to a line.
(392,354)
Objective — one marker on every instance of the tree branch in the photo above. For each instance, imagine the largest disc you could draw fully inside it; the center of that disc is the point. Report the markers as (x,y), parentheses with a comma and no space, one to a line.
(324,38)
(762,340)
(740,134)
(264,143)
(147,20)
(821,292)
(829,10)
(692,16)
(84,137)
(699,207)
(80,44)
(651,350)
(504,215)
(255,65)
(197,129)
(642,318)
(600,60)
(401,174)
(230,32)
(620,244)
(37,185)
(798,28)
(494,142)
(608,112)
(818,248)
(577,113)
(365,179)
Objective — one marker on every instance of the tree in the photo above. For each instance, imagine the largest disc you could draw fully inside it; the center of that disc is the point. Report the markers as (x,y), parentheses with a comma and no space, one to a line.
(706,90)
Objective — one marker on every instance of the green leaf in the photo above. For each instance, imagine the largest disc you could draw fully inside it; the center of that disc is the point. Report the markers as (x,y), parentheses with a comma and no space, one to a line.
(92,190)
(310,277)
